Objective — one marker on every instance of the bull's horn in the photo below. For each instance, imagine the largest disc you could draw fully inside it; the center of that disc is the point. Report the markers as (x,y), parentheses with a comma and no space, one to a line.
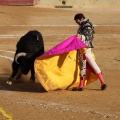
(19,55)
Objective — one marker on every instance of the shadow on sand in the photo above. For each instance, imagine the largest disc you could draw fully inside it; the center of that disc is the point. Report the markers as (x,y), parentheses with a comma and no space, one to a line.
(24,86)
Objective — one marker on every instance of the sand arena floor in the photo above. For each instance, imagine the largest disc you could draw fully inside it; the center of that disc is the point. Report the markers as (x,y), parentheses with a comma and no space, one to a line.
(28,101)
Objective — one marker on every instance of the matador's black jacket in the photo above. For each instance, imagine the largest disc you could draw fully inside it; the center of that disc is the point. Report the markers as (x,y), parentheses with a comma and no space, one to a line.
(87,30)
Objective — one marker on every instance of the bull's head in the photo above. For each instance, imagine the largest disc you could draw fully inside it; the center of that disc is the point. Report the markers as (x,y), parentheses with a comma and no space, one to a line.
(31,36)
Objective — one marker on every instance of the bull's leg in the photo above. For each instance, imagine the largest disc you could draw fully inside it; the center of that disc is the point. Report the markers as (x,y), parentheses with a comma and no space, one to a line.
(19,73)
(32,78)
(14,72)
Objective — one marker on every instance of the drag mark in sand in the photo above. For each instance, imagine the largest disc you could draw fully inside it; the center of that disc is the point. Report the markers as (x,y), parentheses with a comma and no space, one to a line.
(9,58)
(6,57)
(7,51)
(65,107)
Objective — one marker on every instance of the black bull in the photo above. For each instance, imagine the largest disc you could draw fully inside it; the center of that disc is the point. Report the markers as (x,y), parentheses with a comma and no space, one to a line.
(28,48)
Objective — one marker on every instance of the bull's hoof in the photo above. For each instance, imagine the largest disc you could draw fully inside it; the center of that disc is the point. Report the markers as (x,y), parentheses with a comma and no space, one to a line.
(18,77)
(9,82)
(32,79)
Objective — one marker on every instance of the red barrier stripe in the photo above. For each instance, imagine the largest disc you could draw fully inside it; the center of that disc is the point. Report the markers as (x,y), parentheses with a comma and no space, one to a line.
(17,2)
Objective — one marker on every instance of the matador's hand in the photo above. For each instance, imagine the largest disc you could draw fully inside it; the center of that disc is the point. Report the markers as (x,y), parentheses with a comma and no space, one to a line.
(79,36)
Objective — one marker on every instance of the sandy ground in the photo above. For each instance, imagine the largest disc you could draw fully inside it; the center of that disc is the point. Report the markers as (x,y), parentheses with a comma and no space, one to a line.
(29,101)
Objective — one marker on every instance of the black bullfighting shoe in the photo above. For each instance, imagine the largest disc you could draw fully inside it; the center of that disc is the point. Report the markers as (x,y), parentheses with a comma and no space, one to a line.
(78,89)
(103,87)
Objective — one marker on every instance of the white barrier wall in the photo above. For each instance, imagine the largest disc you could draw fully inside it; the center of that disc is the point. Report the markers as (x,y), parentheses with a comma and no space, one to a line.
(53,3)
(78,3)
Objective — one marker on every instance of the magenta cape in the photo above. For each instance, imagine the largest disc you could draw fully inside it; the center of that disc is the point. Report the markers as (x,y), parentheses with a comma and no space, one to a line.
(70,44)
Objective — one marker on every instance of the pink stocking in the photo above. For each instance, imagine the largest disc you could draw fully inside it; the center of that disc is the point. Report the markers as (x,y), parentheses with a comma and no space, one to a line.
(81,84)
(101,78)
